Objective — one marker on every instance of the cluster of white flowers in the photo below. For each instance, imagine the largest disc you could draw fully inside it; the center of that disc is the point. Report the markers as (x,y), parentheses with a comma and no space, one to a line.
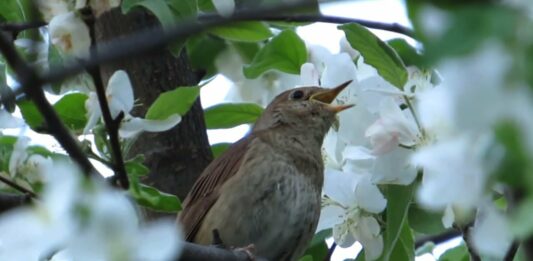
(82,219)
(119,95)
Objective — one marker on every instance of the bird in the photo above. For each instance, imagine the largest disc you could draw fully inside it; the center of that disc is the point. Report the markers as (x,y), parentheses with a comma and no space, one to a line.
(265,190)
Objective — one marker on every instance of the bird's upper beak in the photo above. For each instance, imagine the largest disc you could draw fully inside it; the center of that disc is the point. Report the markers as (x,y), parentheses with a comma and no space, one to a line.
(328,96)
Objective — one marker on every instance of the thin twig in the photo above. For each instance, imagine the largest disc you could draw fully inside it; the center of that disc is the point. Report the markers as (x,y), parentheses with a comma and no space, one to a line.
(9,201)
(474,256)
(509,256)
(16,28)
(394,27)
(151,39)
(18,187)
(32,86)
(112,125)
(438,239)
(330,252)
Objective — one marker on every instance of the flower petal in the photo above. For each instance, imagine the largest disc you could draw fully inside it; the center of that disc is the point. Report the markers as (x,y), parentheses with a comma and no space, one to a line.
(330,215)
(491,234)
(119,93)
(340,187)
(369,196)
(70,34)
(224,7)
(8,121)
(160,240)
(132,126)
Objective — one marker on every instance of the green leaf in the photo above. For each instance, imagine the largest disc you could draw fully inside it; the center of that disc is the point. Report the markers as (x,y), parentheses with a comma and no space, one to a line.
(229,115)
(318,251)
(15,10)
(376,53)
(515,167)
(398,199)
(459,253)
(286,52)
(136,167)
(248,31)
(407,53)
(425,222)
(177,101)
(6,148)
(183,9)
(247,51)
(219,148)
(71,110)
(521,224)
(405,246)
(31,115)
(157,7)
(162,10)
(152,198)
(467,28)
(203,50)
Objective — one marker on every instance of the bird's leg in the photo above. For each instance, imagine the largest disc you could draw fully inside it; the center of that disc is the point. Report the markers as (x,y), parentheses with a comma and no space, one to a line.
(249,250)
(217,241)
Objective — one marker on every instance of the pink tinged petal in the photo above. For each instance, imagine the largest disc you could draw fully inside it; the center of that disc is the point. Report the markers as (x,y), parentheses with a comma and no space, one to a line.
(119,93)
(93,112)
(8,121)
(342,235)
(330,215)
(160,240)
(224,7)
(308,75)
(134,125)
(491,234)
(382,140)
(369,196)
(394,122)
(70,34)
(340,187)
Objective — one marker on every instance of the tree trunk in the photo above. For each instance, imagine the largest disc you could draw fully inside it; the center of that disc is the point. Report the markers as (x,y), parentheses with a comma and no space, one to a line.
(175,157)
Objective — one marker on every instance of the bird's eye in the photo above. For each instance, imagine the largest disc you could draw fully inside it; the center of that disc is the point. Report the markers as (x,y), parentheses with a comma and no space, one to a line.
(296,95)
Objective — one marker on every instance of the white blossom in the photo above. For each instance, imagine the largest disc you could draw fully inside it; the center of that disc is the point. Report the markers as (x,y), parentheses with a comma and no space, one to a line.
(350,221)
(119,94)
(491,234)
(84,222)
(70,34)
(8,121)
(224,8)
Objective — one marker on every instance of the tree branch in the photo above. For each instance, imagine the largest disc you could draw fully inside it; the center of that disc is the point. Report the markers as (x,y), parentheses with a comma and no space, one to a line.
(147,40)
(474,256)
(9,201)
(18,187)
(438,239)
(330,252)
(194,252)
(112,125)
(394,27)
(31,84)
(16,28)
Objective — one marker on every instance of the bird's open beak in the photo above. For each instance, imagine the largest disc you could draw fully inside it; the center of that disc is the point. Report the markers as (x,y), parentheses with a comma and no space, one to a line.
(328,96)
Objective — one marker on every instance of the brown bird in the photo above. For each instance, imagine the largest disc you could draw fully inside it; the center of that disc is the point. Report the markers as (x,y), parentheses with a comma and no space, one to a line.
(265,189)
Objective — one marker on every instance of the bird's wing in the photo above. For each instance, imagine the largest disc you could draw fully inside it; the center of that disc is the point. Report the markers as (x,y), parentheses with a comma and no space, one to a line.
(204,192)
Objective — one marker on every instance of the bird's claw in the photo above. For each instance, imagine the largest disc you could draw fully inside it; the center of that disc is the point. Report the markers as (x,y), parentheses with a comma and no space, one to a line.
(249,250)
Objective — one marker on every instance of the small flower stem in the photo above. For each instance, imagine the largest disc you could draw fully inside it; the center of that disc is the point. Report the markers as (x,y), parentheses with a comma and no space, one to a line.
(16,186)
(412,110)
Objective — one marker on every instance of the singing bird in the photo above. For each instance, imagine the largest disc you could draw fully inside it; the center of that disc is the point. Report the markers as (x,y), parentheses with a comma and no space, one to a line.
(265,189)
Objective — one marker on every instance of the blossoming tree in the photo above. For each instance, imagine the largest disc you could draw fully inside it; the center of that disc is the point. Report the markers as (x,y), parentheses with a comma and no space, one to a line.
(439,145)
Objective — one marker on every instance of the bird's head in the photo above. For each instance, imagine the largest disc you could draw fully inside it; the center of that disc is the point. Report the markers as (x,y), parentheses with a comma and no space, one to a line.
(304,108)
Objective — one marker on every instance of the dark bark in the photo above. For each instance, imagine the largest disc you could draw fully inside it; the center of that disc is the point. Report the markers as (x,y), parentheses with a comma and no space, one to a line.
(9,201)
(175,157)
